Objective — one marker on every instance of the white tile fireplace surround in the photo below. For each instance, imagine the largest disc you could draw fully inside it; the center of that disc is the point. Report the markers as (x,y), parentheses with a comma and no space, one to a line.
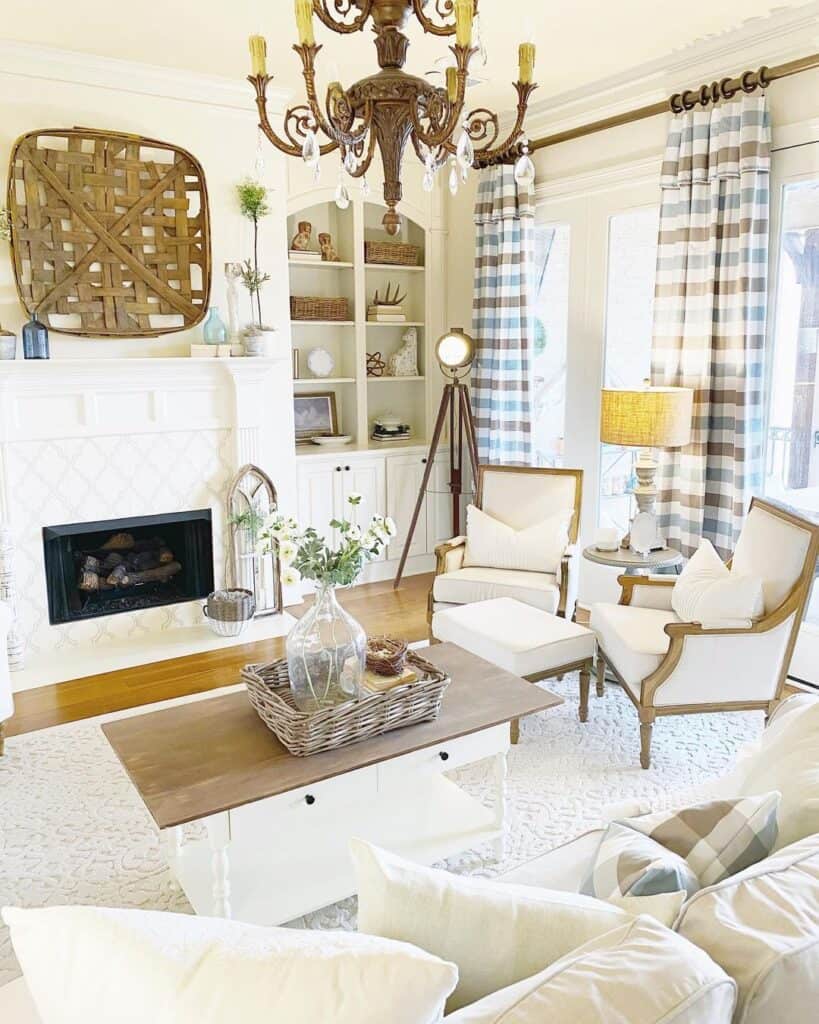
(83,440)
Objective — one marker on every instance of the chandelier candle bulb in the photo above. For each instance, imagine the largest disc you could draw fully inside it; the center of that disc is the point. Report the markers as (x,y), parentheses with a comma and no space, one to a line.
(258,55)
(452,84)
(526,60)
(304,22)
(464,13)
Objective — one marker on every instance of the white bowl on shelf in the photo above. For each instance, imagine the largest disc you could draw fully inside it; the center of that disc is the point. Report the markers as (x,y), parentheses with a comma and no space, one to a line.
(332,440)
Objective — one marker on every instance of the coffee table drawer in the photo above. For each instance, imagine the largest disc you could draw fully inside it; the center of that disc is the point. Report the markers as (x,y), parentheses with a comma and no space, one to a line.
(443,757)
(308,802)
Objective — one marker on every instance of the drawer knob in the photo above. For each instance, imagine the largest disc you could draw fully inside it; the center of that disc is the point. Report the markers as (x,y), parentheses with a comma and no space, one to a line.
(309,799)
(444,756)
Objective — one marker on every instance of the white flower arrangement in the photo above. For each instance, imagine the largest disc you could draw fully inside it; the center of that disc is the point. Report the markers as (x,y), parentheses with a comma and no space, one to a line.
(305,554)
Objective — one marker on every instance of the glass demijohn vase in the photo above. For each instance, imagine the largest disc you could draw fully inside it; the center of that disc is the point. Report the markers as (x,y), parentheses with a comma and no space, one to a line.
(326,652)
(214,331)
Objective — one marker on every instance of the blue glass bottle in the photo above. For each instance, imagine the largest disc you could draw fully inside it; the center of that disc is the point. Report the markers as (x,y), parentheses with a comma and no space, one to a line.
(35,339)
(214,331)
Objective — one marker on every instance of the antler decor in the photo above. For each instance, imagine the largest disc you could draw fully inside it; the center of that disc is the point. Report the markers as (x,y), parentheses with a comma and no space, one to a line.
(392,107)
(389,299)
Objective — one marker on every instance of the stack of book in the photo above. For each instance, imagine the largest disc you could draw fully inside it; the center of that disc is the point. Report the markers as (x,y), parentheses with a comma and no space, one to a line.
(304,256)
(386,315)
(391,432)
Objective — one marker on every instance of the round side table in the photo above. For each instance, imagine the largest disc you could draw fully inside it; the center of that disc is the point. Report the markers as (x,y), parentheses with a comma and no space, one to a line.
(630,562)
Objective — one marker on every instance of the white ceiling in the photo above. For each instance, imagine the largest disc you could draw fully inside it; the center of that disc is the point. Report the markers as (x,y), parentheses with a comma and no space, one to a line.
(578,42)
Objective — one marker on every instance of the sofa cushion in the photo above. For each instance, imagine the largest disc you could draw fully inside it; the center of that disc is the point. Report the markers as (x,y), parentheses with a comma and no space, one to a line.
(785,758)
(16,1006)
(639,973)
(538,547)
(455,917)
(514,636)
(628,863)
(762,927)
(718,838)
(707,591)
(773,550)
(633,638)
(466,586)
(129,966)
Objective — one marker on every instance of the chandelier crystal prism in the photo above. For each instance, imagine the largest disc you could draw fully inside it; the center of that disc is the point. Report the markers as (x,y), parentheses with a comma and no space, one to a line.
(392,107)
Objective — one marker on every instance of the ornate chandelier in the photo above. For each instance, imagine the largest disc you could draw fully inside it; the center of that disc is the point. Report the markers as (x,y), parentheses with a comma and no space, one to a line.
(392,107)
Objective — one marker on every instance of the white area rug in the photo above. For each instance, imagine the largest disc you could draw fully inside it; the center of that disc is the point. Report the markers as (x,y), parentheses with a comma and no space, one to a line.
(72,829)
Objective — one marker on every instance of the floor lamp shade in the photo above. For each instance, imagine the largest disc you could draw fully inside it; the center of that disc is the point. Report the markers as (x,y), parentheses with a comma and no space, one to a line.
(647,418)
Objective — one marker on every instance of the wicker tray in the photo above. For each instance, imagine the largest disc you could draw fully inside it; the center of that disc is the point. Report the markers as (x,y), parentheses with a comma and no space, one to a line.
(312,307)
(268,688)
(397,254)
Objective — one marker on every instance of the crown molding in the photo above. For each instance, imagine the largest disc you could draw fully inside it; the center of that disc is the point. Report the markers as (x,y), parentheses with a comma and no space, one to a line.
(642,171)
(786,34)
(30,60)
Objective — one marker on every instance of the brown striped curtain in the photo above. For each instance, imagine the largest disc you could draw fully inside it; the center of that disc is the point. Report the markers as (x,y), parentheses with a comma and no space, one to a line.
(709,315)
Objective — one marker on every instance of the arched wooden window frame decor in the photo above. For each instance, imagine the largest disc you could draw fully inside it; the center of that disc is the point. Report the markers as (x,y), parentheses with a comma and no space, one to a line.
(252,490)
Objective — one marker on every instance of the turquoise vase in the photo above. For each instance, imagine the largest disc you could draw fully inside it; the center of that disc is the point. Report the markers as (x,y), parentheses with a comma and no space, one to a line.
(214,331)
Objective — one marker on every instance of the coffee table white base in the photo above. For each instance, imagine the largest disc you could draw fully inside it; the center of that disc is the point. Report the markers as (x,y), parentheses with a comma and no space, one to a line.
(274,860)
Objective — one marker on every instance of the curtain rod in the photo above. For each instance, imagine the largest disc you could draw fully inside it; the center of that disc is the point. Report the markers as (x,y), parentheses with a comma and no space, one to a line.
(748,81)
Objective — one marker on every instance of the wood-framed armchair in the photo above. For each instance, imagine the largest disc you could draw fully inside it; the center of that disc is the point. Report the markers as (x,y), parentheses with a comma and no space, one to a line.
(520,497)
(670,667)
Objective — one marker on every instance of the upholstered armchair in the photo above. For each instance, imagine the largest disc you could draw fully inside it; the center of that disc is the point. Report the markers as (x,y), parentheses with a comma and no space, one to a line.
(670,667)
(520,497)
(6,701)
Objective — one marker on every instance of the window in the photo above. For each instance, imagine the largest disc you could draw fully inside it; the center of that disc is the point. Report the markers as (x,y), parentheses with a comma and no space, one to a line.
(632,257)
(792,450)
(548,368)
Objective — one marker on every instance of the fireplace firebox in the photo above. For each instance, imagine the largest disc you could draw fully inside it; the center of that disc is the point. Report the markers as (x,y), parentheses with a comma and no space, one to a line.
(125,565)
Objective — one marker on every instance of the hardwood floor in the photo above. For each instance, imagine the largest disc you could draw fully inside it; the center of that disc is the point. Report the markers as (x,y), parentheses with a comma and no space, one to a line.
(378,607)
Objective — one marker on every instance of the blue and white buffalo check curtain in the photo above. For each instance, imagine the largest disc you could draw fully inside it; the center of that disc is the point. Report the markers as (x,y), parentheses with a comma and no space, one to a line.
(709,315)
(501,319)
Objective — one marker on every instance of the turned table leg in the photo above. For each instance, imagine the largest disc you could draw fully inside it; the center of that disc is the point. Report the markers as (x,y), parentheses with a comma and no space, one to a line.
(601,675)
(585,684)
(218,829)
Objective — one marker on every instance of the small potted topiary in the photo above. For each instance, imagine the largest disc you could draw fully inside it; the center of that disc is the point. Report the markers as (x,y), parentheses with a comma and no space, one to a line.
(257,337)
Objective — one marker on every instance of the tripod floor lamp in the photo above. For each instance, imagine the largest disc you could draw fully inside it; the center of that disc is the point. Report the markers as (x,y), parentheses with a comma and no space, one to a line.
(455,352)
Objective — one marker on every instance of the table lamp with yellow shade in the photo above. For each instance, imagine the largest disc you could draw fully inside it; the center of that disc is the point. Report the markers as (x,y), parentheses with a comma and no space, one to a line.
(646,418)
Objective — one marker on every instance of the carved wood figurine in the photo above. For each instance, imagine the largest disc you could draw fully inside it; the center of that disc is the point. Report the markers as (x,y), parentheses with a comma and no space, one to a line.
(328,251)
(301,240)
(404,362)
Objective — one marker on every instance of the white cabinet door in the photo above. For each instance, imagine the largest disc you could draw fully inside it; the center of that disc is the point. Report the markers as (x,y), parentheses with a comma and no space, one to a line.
(439,505)
(320,494)
(404,477)
(364,477)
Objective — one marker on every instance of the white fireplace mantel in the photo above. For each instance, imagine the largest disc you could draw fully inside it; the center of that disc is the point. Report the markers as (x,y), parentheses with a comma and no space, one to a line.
(89,439)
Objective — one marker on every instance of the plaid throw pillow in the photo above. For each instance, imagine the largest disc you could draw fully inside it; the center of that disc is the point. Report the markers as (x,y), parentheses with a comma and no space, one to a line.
(628,863)
(716,839)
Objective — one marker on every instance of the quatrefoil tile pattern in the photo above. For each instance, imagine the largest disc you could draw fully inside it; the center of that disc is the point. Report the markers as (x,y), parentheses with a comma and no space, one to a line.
(84,479)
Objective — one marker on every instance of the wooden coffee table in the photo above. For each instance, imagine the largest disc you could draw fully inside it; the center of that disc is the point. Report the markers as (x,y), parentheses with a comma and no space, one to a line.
(276,827)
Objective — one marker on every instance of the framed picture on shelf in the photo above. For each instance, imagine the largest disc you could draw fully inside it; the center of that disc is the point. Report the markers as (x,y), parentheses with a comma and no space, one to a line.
(315,415)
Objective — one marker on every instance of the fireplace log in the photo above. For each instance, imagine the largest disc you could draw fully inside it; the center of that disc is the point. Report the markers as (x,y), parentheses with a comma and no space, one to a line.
(89,580)
(149,544)
(91,564)
(165,556)
(111,560)
(121,577)
(119,542)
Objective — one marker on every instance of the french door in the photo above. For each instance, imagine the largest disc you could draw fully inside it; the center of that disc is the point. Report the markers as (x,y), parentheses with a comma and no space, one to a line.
(792,438)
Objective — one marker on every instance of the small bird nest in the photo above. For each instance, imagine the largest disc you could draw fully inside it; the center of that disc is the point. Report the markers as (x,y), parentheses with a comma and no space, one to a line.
(386,656)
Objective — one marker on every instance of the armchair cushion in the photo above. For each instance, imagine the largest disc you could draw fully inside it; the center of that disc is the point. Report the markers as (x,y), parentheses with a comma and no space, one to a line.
(628,863)
(466,586)
(707,591)
(774,550)
(536,548)
(634,639)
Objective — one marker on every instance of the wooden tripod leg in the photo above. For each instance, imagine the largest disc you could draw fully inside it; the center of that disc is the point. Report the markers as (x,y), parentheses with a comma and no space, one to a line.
(446,399)
(471,435)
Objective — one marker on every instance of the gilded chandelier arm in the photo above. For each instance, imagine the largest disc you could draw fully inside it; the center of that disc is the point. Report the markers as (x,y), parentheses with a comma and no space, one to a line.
(342,8)
(297,120)
(509,147)
(443,8)
(439,133)
(308,52)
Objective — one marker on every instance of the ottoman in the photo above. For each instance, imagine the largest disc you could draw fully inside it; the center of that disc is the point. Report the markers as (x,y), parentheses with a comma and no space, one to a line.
(523,640)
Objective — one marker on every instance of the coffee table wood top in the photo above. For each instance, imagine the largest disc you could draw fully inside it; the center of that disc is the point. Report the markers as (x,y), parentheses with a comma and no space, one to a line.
(212,755)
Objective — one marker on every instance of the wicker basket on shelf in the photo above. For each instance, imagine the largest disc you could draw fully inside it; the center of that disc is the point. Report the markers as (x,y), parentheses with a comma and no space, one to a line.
(396,254)
(313,307)
(304,733)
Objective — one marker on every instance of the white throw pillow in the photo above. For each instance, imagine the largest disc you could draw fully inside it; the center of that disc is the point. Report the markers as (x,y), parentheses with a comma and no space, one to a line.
(495,932)
(762,927)
(639,973)
(492,544)
(785,758)
(85,964)
(708,592)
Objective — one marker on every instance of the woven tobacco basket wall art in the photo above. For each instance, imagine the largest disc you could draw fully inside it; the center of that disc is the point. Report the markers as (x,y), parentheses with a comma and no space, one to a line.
(110,233)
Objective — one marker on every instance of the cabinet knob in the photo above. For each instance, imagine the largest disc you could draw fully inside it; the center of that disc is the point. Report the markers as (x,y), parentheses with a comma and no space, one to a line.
(309,799)
(347,469)
(338,469)
(444,756)
(423,462)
